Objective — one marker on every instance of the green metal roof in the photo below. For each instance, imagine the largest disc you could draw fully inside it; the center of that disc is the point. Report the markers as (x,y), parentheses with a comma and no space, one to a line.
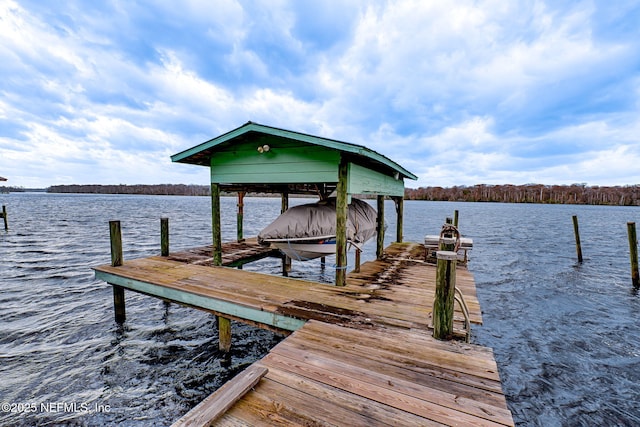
(201,154)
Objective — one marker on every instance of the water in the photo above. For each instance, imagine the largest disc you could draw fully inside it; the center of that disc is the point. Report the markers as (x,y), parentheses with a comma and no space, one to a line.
(565,335)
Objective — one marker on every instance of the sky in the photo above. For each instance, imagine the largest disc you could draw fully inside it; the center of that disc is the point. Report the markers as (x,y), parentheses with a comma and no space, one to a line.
(457,92)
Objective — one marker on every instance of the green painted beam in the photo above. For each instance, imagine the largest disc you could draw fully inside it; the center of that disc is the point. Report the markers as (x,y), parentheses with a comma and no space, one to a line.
(224,307)
(363,180)
(281,164)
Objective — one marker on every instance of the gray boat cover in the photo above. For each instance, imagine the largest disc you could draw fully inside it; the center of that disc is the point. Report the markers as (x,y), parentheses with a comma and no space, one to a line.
(318,221)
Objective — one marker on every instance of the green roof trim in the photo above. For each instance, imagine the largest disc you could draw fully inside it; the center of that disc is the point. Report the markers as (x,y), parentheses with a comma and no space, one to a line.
(201,154)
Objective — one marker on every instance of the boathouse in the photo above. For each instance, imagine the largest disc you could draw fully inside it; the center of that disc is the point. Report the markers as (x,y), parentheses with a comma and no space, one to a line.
(265,159)
(363,353)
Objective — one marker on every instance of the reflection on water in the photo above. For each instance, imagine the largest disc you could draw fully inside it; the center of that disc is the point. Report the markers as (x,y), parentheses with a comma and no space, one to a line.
(565,335)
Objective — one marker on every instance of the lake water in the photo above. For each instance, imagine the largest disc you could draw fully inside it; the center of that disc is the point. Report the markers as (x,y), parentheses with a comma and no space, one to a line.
(565,335)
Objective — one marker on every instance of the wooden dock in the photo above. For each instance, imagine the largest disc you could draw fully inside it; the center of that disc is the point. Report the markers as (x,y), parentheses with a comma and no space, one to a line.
(361,354)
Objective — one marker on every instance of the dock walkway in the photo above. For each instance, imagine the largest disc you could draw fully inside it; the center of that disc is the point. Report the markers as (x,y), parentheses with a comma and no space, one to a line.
(361,354)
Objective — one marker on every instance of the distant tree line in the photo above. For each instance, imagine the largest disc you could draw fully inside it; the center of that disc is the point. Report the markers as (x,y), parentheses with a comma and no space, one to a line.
(155,189)
(580,194)
(9,189)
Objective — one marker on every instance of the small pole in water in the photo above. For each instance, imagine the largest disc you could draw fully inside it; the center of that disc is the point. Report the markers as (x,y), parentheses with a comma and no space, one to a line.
(633,253)
(116,260)
(164,236)
(577,233)
(455,218)
(4,216)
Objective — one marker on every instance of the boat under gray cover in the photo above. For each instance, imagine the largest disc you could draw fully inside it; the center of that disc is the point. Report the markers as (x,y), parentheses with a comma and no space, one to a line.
(317,221)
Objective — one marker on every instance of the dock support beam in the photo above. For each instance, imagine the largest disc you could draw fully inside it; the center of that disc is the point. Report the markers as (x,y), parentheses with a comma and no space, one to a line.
(341,223)
(224,334)
(633,253)
(115,234)
(399,201)
(240,216)
(445,295)
(215,224)
(284,206)
(380,228)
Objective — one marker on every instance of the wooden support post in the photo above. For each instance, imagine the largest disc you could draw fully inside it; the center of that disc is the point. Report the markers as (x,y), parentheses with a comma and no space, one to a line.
(4,217)
(380,228)
(215,224)
(116,260)
(358,256)
(455,218)
(445,295)
(240,216)
(224,334)
(576,231)
(164,236)
(115,234)
(286,265)
(284,203)
(399,201)
(284,206)
(120,313)
(341,224)
(633,253)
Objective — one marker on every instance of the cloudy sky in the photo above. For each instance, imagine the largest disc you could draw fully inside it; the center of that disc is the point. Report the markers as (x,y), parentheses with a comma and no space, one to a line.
(458,92)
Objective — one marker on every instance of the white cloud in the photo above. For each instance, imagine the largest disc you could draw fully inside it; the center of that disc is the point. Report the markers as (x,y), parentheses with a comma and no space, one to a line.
(460,92)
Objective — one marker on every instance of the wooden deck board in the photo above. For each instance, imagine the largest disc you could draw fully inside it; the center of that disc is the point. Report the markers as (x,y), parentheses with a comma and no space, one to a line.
(365,355)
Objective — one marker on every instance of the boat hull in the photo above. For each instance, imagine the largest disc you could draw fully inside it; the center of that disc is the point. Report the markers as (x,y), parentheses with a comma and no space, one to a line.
(304,251)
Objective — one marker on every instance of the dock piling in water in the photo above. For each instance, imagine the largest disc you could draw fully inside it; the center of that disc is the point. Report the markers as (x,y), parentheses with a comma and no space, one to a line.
(164,236)
(224,334)
(577,233)
(116,261)
(633,253)
(240,217)
(4,217)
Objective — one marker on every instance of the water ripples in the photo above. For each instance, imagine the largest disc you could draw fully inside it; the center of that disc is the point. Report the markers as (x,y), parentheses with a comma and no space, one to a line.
(565,335)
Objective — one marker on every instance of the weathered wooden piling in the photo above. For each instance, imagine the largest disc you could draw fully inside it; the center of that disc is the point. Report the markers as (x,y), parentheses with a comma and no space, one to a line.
(240,216)
(224,334)
(215,224)
(576,231)
(164,236)
(4,217)
(341,224)
(444,295)
(380,228)
(633,253)
(399,202)
(284,206)
(116,261)
(455,218)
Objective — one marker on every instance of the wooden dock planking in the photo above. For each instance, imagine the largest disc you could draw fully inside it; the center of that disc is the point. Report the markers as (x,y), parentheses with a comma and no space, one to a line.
(233,253)
(365,374)
(364,356)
